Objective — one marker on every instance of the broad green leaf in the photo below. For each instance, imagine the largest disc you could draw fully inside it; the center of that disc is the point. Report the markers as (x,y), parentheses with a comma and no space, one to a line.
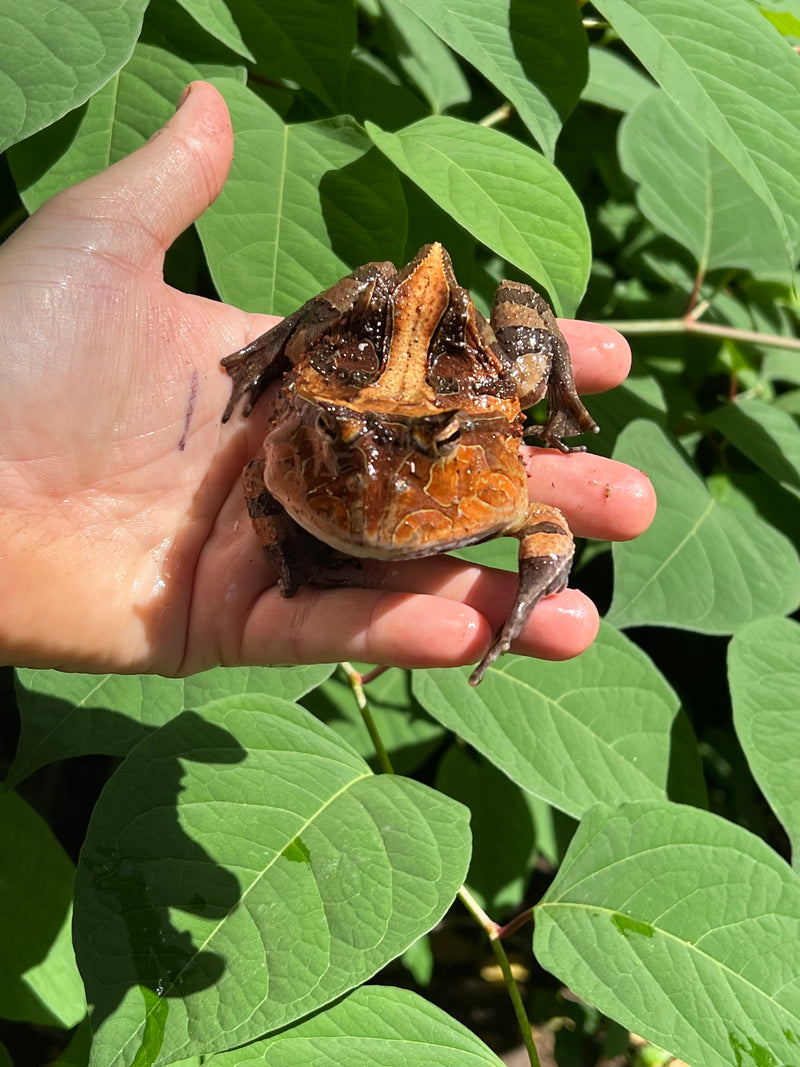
(53,57)
(246,866)
(298,200)
(67,715)
(613,81)
(534,53)
(117,120)
(408,734)
(769,437)
(503,828)
(764,676)
(215,17)
(602,727)
(690,192)
(426,59)
(703,564)
(305,43)
(373,91)
(682,927)
(39,981)
(371,1026)
(732,75)
(506,195)
(5,1058)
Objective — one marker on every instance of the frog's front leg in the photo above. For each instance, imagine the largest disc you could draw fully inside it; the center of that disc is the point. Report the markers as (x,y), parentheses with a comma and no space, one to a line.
(539,362)
(270,355)
(297,556)
(546,549)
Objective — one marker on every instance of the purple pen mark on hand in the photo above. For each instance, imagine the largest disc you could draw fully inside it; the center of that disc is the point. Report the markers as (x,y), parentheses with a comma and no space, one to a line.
(189,411)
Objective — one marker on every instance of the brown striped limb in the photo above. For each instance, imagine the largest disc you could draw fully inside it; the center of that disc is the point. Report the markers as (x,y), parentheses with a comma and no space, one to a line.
(546,549)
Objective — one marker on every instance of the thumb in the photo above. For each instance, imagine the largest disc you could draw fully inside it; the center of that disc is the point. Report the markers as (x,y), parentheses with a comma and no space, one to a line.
(162,187)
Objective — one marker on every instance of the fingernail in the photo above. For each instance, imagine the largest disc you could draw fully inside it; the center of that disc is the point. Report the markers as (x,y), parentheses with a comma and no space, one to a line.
(182,98)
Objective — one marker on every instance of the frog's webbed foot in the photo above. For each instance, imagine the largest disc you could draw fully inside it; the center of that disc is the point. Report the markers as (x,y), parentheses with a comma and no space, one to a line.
(297,556)
(546,549)
(257,364)
(539,361)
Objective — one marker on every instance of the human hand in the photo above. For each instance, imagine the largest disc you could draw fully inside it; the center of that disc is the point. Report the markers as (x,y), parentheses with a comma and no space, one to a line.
(125,543)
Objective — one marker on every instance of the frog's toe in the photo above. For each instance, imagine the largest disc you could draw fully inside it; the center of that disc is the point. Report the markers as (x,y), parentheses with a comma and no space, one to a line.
(541,574)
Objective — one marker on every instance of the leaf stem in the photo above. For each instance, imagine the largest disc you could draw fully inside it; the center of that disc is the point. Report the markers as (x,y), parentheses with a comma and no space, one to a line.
(500,114)
(516,923)
(709,329)
(494,933)
(356,681)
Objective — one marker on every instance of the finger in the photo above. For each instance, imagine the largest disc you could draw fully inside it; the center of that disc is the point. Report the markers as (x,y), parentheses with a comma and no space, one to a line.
(399,628)
(599,497)
(162,187)
(601,357)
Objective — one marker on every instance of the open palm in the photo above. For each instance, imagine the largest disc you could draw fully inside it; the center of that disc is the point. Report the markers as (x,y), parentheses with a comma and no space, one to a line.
(124,539)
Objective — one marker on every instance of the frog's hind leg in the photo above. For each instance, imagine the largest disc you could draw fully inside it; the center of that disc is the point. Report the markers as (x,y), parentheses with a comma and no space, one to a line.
(297,556)
(546,549)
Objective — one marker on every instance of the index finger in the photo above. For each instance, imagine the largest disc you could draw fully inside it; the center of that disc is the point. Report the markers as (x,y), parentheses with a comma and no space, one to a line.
(601,357)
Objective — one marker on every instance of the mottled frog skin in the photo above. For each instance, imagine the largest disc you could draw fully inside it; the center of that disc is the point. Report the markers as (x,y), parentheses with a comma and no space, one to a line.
(397,428)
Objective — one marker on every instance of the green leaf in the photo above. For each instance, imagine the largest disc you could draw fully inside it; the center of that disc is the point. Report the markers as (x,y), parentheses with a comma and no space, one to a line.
(732,75)
(298,199)
(601,727)
(67,715)
(306,43)
(246,866)
(614,82)
(426,59)
(502,824)
(54,57)
(769,437)
(117,120)
(703,565)
(373,1025)
(764,676)
(535,53)
(682,927)
(506,195)
(215,17)
(39,981)
(690,192)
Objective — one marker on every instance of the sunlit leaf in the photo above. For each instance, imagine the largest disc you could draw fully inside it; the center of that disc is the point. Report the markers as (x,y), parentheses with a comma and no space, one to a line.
(690,192)
(703,564)
(534,53)
(657,904)
(506,195)
(373,1025)
(732,75)
(602,727)
(54,56)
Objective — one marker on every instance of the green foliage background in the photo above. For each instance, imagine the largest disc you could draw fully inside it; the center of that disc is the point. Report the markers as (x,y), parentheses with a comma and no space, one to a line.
(245,871)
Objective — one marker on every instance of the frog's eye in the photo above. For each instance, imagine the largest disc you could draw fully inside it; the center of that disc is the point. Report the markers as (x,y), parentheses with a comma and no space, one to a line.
(437,435)
(446,441)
